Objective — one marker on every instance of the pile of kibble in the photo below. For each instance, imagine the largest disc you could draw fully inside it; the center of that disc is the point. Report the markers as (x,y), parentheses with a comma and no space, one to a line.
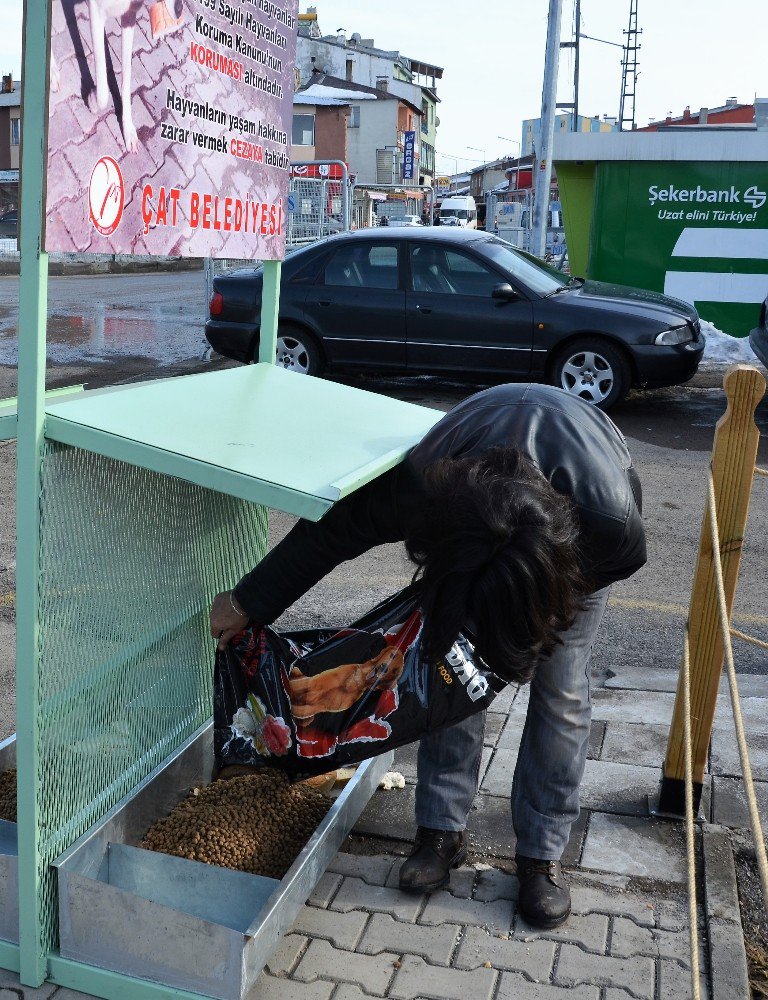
(8,795)
(257,824)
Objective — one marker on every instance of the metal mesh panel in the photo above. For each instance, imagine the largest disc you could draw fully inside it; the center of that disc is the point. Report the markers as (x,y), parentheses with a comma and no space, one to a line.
(130,560)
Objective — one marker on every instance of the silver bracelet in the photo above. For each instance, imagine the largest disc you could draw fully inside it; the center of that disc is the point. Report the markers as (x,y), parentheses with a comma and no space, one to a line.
(238,611)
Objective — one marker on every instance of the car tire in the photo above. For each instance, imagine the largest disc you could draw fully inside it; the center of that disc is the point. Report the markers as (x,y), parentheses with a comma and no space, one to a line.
(297,351)
(593,369)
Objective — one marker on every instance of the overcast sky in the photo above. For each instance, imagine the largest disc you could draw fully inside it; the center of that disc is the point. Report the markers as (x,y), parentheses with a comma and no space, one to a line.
(695,54)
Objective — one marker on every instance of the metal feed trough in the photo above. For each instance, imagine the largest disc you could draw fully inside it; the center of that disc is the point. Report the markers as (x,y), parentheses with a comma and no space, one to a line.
(186,924)
(9,860)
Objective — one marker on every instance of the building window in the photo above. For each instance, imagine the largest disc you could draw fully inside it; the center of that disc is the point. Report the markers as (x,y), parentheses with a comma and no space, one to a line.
(425,117)
(382,83)
(303,132)
(15,131)
(353,119)
(350,64)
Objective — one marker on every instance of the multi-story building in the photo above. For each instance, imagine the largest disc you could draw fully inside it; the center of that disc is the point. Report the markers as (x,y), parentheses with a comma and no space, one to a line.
(531,142)
(730,113)
(10,140)
(376,122)
(356,60)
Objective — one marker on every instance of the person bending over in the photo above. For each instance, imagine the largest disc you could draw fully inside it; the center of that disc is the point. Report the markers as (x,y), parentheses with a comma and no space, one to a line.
(519,508)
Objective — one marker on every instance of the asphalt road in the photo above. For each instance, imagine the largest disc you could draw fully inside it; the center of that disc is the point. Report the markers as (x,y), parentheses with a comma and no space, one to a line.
(113,329)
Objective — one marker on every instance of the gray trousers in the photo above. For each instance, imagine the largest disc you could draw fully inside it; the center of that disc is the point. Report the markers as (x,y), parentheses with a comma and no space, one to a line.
(551,759)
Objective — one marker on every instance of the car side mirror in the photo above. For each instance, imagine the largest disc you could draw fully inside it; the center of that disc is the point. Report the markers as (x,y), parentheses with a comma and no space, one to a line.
(505,292)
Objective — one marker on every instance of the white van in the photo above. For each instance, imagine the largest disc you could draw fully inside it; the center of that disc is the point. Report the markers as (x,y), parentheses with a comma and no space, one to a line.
(459,210)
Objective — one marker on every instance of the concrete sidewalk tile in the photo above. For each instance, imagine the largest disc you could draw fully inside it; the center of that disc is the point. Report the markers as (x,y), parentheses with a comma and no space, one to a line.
(389,815)
(272,988)
(405,761)
(517,987)
(589,931)
(373,869)
(342,929)
(10,981)
(461,882)
(635,743)
(671,916)
(489,827)
(498,777)
(286,954)
(493,884)
(534,958)
(722,896)
(485,760)
(345,991)
(613,902)
(502,703)
(355,894)
(754,712)
(637,975)
(596,739)
(650,707)
(643,679)
(724,753)
(675,984)
(371,973)
(494,723)
(511,734)
(730,803)
(416,979)
(443,908)
(628,939)
(384,933)
(630,845)
(618,788)
(325,889)
(727,960)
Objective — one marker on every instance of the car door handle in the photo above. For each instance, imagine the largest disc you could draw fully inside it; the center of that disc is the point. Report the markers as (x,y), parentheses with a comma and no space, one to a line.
(324,302)
(424,309)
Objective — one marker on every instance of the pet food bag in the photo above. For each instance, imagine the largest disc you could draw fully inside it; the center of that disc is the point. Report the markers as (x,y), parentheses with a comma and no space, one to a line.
(313,700)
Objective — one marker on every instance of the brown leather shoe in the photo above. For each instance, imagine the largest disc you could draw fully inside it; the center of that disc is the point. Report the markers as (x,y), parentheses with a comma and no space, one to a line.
(434,853)
(545,897)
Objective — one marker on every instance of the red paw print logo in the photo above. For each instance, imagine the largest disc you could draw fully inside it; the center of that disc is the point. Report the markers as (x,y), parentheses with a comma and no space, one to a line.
(106,195)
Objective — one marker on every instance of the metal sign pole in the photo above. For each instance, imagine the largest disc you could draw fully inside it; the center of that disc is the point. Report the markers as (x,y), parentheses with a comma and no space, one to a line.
(33,304)
(270,308)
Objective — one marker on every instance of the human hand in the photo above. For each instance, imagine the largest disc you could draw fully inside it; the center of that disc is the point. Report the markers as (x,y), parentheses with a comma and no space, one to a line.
(226,618)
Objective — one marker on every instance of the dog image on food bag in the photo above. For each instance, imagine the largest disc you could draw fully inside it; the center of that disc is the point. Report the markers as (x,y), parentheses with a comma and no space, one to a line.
(164,16)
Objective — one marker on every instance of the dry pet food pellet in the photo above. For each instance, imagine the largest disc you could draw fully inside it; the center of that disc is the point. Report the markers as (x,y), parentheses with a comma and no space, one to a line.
(256,823)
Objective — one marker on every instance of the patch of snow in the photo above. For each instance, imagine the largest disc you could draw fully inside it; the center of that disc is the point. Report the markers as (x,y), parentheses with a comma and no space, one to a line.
(390,780)
(722,347)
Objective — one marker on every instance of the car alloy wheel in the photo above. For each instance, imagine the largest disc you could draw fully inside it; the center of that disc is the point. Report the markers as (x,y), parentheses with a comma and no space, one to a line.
(296,354)
(594,371)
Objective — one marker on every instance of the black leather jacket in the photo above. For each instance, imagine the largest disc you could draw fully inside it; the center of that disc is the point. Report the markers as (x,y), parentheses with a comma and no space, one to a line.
(576,446)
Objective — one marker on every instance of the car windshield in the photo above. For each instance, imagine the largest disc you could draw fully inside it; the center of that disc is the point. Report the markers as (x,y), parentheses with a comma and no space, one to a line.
(456,213)
(537,276)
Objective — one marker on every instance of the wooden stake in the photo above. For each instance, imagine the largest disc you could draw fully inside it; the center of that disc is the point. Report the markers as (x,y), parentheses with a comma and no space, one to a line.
(733,463)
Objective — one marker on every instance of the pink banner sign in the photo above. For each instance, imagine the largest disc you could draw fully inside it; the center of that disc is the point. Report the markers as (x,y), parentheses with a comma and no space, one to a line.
(169,127)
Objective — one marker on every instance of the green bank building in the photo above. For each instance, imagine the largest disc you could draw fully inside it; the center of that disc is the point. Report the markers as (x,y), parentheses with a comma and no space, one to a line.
(684,212)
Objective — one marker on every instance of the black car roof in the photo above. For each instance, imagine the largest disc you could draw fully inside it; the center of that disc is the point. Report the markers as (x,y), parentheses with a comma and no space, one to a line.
(448,234)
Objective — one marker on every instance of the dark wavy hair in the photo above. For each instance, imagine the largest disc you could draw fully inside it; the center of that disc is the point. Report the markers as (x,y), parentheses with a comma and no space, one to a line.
(497,553)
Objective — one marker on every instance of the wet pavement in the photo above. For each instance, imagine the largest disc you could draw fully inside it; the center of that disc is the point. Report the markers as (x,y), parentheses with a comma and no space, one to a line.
(110,319)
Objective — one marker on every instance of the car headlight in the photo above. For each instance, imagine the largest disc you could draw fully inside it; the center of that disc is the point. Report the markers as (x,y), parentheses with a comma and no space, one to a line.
(677,335)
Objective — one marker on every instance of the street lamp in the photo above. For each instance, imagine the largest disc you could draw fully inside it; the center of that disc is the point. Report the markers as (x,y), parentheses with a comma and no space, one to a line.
(476,150)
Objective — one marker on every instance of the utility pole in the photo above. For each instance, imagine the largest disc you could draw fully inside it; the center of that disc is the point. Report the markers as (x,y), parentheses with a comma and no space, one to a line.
(573,105)
(548,102)
(629,72)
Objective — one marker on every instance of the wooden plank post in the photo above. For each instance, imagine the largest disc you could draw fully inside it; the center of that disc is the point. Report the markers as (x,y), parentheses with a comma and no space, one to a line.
(733,462)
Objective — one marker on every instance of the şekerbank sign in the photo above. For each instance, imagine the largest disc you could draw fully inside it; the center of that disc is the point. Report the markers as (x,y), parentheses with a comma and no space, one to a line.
(694,229)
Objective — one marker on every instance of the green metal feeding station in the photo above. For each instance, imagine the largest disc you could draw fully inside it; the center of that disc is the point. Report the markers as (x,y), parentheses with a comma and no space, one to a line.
(136,504)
